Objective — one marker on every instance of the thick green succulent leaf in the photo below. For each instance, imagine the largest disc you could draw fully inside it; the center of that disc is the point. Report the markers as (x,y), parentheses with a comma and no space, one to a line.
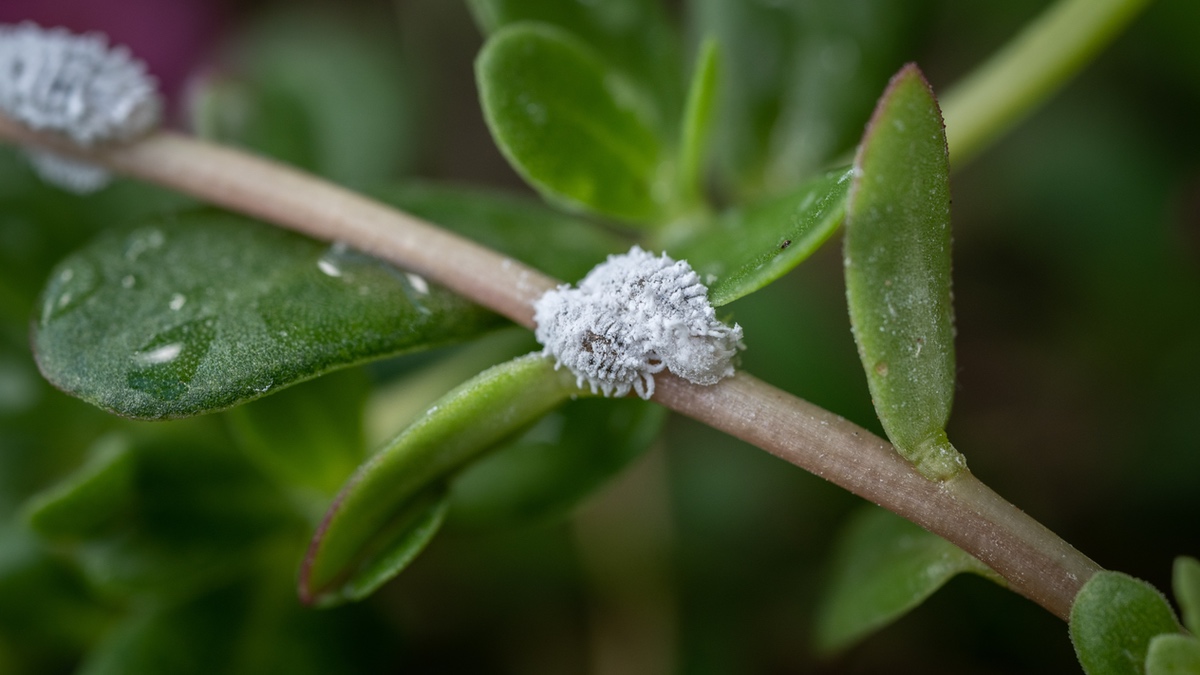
(309,437)
(883,567)
(1173,654)
(634,36)
(393,504)
(1185,580)
(1113,619)
(198,312)
(561,245)
(556,464)
(897,263)
(91,497)
(751,247)
(287,90)
(570,126)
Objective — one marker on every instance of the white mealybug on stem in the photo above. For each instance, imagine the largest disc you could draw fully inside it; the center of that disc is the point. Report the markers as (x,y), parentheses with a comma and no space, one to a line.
(631,317)
(78,87)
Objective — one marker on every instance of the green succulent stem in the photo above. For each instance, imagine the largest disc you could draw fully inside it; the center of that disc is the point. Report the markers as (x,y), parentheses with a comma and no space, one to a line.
(1033,65)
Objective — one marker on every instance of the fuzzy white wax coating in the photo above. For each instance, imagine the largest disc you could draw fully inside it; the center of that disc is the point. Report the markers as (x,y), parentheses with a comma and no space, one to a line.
(76,86)
(631,317)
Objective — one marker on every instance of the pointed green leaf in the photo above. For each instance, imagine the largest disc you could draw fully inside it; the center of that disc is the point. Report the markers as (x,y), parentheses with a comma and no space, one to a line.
(751,247)
(557,463)
(309,436)
(1113,619)
(883,567)
(697,120)
(89,498)
(897,260)
(528,230)
(216,309)
(1185,580)
(1173,654)
(390,508)
(570,125)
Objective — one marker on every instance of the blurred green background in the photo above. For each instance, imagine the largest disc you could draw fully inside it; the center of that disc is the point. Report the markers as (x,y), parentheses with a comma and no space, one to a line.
(1077,287)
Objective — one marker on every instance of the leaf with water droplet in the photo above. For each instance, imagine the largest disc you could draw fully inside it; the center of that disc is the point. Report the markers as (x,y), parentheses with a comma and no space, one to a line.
(390,509)
(223,309)
(750,247)
(570,125)
(883,567)
(897,265)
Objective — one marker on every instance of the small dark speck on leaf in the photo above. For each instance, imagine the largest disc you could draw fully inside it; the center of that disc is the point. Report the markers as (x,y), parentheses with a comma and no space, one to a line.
(786,243)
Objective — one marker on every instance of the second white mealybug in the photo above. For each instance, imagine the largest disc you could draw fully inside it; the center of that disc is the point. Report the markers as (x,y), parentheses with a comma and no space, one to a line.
(76,86)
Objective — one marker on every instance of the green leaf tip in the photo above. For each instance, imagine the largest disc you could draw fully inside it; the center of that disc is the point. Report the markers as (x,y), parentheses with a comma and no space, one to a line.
(751,247)
(1185,581)
(897,265)
(570,124)
(1173,654)
(1113,620)
(392,506)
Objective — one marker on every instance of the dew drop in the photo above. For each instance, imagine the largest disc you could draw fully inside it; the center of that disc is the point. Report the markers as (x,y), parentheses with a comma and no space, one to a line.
(418,283)
(143,240)
(68,289)
(165,365)
(178,300)
(328,268)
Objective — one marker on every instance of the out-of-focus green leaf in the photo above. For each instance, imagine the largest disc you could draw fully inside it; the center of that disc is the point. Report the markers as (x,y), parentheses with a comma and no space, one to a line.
(47,613)
(697,120)
(883,567)
(897,263)
(753,246)
(253,625)
(564,246)
(1173,654)
(202,515)
(800,79)
(1185,580)
(634,36)
(1113,620)
(88,499)
(323,90)
(558,462)
(570,126)
(217,309)
(309,436)
(391,507)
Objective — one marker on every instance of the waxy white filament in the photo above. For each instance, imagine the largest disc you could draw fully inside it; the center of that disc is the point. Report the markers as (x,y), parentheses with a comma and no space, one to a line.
(631,317)
(78,87)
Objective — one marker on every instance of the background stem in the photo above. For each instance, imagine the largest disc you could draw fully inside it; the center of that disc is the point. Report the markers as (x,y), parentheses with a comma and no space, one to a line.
(1035,562)
(1023,74)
